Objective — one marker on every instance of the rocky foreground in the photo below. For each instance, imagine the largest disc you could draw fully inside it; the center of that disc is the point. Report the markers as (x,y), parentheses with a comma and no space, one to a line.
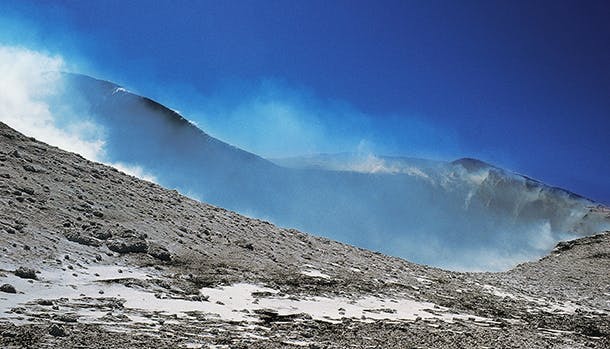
(91,257)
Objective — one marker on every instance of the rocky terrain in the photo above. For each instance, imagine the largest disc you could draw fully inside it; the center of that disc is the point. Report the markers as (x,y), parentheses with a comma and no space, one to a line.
(91,257)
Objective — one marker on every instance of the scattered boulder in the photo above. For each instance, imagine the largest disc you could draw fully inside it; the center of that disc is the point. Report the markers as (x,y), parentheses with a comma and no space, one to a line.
(129,245)
(102,234)
(82,239)
(98,214)
(28,190)
(199,298)
(45,302)
(271,315)
(564,246)
(8,288)
(26,273)
(19,225)
(159,252)
(57,331)
(591,329)
(32,168)
(9,333)
(67,318)
(128,241)
(246,245)
(114,318)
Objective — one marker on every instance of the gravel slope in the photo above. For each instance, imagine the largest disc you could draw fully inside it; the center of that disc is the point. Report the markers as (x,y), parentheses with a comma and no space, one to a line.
(93,257)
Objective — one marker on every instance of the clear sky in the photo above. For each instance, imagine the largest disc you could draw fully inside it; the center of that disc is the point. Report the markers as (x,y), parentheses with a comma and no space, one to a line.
(521,84)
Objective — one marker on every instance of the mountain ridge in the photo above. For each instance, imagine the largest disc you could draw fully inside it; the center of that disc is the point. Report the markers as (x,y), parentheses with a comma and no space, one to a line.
(84,244)
(484,220)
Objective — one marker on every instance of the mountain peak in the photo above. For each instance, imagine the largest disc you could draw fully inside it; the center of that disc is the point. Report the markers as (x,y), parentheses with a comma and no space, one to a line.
(472,164)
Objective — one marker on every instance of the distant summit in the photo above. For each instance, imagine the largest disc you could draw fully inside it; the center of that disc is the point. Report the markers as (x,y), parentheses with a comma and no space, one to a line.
(471,164)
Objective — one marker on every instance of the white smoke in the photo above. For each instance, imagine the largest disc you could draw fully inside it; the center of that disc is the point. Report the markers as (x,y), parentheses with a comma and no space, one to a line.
(134,170)
(30,86)
(28,80)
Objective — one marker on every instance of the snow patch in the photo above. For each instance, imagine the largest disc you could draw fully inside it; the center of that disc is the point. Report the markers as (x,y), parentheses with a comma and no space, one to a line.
(119,90)
(315,273)
(237,302)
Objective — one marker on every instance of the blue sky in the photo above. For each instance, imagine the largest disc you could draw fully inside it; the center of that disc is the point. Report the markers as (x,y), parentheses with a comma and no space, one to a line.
(521,84)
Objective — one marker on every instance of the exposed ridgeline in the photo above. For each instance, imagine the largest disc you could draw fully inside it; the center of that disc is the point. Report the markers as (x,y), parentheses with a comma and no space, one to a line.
(93,257)
(460,215)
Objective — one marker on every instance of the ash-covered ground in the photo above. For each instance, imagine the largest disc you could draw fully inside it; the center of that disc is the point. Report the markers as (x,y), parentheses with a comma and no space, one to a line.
(91,257)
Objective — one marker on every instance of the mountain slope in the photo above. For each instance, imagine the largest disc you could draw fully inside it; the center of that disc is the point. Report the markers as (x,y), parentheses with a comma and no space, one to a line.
(444,214)
(117,262)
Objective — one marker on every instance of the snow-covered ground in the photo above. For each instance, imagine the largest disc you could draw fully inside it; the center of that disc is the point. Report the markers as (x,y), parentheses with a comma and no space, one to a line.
(237,302)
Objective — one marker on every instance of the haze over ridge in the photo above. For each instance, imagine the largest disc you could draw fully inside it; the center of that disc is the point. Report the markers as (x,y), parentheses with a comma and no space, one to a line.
(479,217)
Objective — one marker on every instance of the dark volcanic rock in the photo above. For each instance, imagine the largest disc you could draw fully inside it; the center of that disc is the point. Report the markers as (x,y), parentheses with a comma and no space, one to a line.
(127,245)
(245,244)
(26,273)
(32,168)
(8,288)
(57,331)
(102,234)
(82,238)
(159,252)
